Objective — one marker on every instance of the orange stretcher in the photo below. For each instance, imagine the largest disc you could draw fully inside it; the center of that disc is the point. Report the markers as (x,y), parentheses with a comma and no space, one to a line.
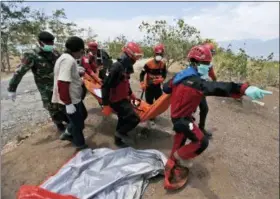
(143,109)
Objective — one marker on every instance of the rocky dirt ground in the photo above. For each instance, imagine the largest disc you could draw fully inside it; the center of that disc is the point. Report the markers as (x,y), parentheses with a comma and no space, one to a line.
(242,160)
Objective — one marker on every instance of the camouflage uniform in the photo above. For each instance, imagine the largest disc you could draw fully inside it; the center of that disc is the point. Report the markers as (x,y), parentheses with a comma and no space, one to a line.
(42,66)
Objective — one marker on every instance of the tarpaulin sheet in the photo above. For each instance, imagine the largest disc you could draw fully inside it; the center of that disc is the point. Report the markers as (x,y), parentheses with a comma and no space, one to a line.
(107,174)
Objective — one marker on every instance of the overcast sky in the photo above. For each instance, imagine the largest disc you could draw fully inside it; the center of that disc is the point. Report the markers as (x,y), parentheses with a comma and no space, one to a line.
(218,20)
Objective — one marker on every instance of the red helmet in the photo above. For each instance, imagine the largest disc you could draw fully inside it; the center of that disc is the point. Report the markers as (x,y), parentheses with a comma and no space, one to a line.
(210,46)
(159,49)
(92,45)
(133,50)
(200,53)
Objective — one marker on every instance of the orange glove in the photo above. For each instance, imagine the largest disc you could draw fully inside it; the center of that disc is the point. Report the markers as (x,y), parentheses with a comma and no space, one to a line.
(158,80)
(107,110)
(143,86)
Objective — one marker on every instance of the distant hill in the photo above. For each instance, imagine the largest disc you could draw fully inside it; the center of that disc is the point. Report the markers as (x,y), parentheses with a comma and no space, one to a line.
(255,47)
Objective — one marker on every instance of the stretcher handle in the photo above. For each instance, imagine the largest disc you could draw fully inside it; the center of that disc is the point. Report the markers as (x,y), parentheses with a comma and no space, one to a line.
(142,94)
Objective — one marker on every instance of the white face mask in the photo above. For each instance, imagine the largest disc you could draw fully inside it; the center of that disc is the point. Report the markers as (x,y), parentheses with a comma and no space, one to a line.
(158,58)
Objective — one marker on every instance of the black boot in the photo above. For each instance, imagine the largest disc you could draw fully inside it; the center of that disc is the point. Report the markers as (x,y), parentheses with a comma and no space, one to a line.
(122,140)
(60,127)
(206,133)
(66,136)
(120,143)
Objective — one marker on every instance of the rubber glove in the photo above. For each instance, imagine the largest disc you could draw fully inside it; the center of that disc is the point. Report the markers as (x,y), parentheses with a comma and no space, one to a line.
(158,80)
(107,110)
(70,109)
(256,93)
(12,95)
(143,86)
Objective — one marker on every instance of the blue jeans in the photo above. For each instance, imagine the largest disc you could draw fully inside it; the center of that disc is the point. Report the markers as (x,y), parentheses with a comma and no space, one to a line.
(77,124)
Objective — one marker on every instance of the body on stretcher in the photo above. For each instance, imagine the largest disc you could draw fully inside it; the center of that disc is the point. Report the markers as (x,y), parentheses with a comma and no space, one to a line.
(143,109)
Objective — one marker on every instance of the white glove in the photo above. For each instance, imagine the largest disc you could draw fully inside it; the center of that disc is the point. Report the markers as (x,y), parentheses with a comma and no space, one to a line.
(81,70)
(12,95)
(70,109)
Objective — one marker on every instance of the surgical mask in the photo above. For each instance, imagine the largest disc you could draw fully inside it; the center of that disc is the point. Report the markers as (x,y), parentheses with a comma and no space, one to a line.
(47,48)
(158,58)
(203,69)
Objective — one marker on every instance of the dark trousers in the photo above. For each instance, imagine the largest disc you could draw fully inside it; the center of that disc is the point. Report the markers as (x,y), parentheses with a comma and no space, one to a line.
(84,92)
(203,111)
(127,117)
(153,92)
(102,73)
(77,124)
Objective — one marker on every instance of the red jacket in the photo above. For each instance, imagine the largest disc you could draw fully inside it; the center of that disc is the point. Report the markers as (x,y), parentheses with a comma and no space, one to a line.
(186,95)
(89,64)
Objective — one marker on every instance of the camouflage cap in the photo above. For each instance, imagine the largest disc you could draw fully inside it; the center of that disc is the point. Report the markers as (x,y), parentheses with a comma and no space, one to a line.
(45,36)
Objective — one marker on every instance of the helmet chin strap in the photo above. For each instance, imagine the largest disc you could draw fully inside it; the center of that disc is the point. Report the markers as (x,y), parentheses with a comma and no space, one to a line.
(39,45)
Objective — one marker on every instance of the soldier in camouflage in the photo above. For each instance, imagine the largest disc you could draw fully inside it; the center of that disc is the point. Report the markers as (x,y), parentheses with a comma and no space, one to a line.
(41,61)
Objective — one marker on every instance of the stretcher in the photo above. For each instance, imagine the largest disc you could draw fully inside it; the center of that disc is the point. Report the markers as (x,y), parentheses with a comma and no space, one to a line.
(142,108)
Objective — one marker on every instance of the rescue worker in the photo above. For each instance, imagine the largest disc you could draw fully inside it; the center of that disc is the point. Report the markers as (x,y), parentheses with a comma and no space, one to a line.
(117,93)
(187,89)
(156,73)
(68,91)
(41,61)
(203,106)
(88,61)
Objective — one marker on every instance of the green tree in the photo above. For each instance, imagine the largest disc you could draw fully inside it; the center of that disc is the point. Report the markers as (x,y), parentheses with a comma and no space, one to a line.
(13,18)
(114,47)
(90,35)
(178,38)
(61,28)
(147,49)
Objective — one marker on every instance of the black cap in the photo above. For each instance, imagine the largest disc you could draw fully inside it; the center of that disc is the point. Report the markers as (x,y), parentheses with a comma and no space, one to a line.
(74,44)
(45,36)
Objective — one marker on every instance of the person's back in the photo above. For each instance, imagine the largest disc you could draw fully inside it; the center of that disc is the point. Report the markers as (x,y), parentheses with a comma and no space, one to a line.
(184,105)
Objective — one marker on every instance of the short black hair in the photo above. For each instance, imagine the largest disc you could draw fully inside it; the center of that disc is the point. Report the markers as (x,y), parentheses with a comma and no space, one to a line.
(193,61)
(74,44)
(45,36)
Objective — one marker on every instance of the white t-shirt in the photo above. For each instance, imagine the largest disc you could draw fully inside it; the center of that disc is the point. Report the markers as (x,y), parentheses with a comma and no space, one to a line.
(66,69)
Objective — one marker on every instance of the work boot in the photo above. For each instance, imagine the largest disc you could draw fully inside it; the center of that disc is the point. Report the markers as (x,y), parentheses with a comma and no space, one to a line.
(119,143)
(60,127)
(184,163)
(122,140)
(79,148)
(206,133)
(66,136)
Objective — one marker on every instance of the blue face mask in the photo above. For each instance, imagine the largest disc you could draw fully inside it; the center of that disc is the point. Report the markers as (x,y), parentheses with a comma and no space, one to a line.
(47,48)
(203,69)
